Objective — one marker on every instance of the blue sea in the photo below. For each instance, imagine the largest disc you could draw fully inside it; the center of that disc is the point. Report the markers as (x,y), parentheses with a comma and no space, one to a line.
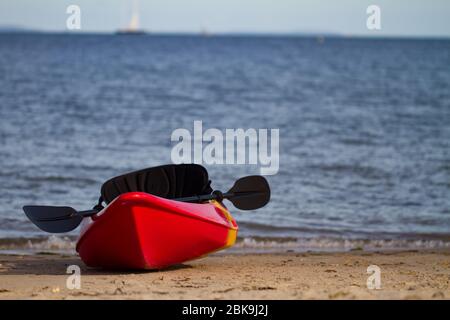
(364,129)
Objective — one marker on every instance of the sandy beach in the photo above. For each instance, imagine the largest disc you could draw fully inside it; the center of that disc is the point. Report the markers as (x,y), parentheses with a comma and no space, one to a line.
(404,275)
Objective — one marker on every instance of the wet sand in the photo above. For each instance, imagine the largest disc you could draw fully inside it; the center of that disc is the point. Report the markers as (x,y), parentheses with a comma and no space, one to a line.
(404,275)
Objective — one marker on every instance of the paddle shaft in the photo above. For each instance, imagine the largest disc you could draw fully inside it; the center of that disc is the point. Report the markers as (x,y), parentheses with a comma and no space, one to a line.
(217,195)
(214,196)
(88,213)
(205,197)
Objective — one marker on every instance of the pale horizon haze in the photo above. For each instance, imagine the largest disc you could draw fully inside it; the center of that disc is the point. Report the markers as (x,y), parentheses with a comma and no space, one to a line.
(414,18)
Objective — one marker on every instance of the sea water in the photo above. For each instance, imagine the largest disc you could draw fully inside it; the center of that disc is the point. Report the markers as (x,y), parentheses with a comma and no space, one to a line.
(364,128)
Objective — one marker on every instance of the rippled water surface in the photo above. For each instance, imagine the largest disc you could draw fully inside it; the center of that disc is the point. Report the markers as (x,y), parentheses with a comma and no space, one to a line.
(364,125)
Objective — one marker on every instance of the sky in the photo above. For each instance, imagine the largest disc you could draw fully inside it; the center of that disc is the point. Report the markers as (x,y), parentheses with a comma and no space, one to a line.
(415,18)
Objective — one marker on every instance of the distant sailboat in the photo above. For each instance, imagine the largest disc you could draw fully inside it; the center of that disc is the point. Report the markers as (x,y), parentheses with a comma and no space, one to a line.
(133,26)
(204,32)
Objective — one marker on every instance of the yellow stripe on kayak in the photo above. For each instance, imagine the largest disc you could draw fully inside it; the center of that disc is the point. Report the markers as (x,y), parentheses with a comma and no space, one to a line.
(231,238)
(232,232)
(224,210)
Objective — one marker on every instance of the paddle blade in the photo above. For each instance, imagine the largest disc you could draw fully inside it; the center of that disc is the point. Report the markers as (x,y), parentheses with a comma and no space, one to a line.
(249,193)
(53,219)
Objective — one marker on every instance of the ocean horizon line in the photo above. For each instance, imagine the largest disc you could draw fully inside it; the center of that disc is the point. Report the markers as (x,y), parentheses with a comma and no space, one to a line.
(236,34)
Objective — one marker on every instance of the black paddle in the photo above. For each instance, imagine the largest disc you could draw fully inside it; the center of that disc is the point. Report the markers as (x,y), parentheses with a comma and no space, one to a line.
(247,193)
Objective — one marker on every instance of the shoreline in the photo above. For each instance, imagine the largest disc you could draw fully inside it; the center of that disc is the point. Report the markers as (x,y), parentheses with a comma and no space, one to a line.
(412,274)
(56,244)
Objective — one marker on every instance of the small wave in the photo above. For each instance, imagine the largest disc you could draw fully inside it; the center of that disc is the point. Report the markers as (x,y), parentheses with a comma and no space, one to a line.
(53,243)
(444,168)
(89,168)
(252,229)
(255,226)
(66,244)
(61,179)
(358,142)
(332,244)
(7,174)
(367,172)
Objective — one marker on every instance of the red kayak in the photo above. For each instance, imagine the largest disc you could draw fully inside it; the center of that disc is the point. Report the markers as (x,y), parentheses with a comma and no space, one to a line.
(155,217)
(141,231)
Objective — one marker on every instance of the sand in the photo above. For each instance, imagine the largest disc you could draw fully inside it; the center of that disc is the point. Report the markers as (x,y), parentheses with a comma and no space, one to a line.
(404,275)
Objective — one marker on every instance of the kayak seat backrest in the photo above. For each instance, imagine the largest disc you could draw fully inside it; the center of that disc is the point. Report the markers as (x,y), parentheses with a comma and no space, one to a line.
(168,181)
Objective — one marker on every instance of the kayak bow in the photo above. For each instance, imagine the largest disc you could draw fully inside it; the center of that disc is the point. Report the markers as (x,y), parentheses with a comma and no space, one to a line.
(141,231)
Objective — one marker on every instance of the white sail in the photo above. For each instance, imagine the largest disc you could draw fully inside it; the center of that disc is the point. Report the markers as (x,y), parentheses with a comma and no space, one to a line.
(134,22)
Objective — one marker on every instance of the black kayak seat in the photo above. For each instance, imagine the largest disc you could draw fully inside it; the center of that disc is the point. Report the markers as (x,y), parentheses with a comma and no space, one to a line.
(167,181)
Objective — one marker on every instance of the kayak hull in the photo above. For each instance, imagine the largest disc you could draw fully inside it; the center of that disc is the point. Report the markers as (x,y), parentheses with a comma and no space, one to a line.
(141,231)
